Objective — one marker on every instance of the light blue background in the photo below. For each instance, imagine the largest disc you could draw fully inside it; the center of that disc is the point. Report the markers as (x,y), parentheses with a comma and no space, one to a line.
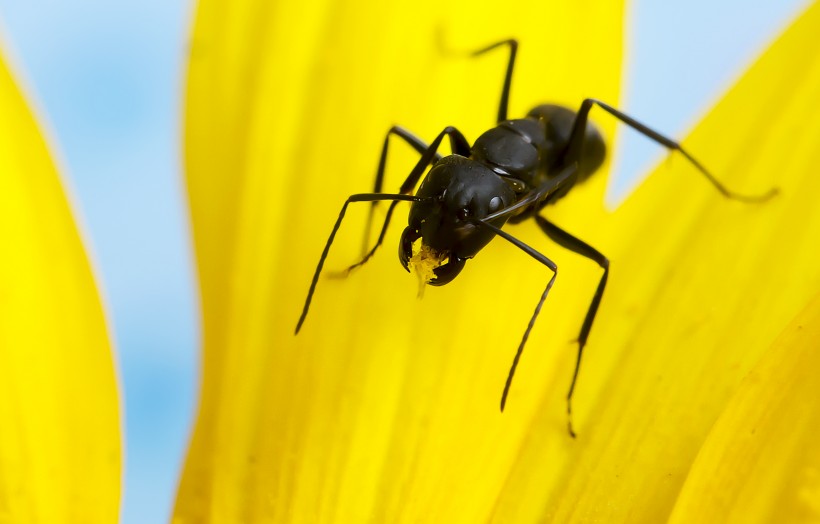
(108,78)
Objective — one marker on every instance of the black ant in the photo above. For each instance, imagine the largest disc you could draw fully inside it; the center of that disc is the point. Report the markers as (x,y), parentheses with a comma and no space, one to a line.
(509,174)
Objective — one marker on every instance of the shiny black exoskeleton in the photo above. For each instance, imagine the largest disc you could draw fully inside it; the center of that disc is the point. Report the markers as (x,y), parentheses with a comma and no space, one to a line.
(508,175)
(505,164)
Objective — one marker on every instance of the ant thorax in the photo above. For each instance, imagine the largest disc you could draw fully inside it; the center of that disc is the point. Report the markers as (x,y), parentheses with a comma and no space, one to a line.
(513,149)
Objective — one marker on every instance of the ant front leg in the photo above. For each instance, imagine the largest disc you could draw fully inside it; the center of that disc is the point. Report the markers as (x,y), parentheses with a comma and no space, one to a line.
(576,140)
(459,145)
(564,239)
(362,197)
(554,268)
(429,154)
(419,145)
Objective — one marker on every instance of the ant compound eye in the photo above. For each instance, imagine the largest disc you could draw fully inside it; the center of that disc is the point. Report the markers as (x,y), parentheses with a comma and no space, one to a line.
(463,213)
(495,204)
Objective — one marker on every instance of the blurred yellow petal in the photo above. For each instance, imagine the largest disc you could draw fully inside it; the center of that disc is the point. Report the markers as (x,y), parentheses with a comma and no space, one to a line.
(384,408)
(761,462)
(59,442)
(390,412)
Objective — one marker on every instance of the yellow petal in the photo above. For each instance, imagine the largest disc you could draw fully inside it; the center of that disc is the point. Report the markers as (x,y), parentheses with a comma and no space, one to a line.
(700,288)
(761,462)
(384,407)
(59,443)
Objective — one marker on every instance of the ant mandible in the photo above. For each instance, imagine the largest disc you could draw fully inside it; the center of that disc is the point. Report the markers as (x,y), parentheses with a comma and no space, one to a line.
(509,174)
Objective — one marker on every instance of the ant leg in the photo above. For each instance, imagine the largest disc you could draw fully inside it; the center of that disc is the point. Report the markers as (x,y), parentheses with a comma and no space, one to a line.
(576,141)
(459,145)
(429,154)
(505,92)
(547,262)
(361,197)
(418,144)
(564,239)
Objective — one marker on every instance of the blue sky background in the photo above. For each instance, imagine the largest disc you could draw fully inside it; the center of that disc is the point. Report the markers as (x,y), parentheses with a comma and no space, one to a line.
(108,78)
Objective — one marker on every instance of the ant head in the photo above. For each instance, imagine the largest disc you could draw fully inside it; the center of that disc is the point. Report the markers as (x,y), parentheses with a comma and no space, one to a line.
(457,191)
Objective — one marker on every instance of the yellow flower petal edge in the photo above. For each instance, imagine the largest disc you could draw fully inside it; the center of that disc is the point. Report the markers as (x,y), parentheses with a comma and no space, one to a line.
(761,462)
(60,439)
(385,407)
(700,287)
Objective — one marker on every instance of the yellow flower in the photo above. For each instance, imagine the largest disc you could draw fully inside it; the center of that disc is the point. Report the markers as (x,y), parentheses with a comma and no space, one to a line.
(59,438)
(385,408)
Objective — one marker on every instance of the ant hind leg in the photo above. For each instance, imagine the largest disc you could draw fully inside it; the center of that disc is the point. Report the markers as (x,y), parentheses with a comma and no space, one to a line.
(574,153)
